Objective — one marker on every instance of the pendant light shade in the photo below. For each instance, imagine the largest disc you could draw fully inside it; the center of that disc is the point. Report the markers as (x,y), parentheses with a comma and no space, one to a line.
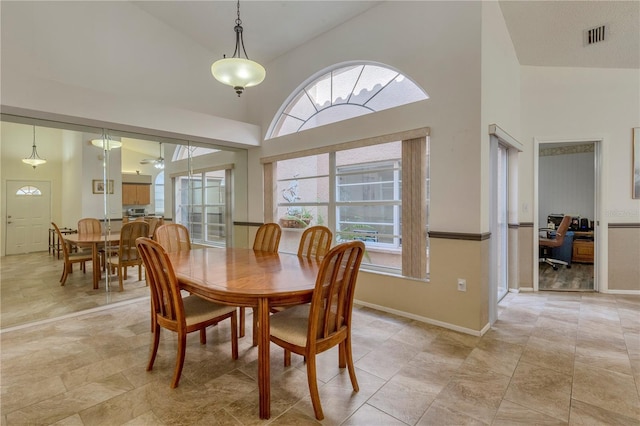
(34,159)
(110,144)
(236,71)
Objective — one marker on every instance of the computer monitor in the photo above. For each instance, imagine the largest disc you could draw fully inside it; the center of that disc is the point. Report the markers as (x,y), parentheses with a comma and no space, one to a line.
(555,219)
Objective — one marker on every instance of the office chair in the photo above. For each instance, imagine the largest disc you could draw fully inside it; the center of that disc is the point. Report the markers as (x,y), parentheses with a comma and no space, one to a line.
(546,244)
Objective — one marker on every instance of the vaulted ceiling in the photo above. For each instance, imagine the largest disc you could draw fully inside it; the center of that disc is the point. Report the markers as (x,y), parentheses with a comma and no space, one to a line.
(544,33)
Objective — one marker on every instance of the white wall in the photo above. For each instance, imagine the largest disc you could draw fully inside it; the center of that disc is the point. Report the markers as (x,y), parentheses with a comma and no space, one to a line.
(500,80)
(564,104)
(16,144)
(51,53)
(72,180)
(585,104)
(566,186)
(438,46)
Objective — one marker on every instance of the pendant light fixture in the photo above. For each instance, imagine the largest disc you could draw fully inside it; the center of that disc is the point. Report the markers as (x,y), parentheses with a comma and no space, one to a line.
(34,159)
(236,71)
(109,143)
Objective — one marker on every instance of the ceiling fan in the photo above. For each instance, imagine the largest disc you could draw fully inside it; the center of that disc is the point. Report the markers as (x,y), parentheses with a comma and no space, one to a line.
(158,163)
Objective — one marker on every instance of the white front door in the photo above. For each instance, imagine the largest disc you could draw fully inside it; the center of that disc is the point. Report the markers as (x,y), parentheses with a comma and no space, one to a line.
(28,216)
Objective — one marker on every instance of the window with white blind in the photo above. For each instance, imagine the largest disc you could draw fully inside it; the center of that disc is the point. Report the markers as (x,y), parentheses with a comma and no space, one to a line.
(358,193)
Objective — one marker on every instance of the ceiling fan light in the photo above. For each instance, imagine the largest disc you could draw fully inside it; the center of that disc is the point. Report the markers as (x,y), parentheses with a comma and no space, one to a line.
(111,144)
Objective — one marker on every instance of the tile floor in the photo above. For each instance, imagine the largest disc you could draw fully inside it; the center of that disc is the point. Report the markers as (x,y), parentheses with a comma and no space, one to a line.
(551,358)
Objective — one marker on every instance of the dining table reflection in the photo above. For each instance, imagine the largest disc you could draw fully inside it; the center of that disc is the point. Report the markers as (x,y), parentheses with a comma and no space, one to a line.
(95,242)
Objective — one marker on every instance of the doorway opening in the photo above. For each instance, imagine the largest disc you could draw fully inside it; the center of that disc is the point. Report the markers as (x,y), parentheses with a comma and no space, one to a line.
(568,182)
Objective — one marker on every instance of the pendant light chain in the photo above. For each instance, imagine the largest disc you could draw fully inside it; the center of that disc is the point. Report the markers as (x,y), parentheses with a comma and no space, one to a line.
(236,71)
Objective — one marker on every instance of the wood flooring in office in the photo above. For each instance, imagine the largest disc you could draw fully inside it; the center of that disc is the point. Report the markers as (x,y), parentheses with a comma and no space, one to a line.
(551,358)
(577,278)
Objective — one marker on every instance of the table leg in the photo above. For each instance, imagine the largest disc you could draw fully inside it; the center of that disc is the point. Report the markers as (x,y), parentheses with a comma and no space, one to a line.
(264,374)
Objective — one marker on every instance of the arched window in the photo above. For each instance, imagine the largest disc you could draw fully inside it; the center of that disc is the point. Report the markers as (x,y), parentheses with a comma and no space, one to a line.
(159,193)
(182,152)
(342,93)
(28,190)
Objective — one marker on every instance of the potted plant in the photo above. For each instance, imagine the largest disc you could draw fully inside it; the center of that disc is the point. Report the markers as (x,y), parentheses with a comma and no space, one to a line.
(296,217)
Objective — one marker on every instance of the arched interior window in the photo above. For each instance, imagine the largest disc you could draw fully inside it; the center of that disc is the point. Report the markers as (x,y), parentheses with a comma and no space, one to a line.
(28,190)
(342,93)
(182,152)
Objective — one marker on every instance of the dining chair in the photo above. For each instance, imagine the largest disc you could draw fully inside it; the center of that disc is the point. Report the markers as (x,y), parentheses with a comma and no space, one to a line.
(315,242)
(182,315)
(153,224)
(173,237)
(91,225)
(267,239)
(127,254)
(71,257)
(315,327)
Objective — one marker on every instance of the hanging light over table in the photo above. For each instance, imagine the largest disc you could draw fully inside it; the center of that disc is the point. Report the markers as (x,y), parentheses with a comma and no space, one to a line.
(105,142)
(34,159)
(236,71)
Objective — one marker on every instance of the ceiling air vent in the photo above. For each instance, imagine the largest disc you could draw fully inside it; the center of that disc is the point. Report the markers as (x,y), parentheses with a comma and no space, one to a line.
(594,35)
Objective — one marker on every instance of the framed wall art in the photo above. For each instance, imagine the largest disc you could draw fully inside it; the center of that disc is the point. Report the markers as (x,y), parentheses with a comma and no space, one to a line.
(98,186)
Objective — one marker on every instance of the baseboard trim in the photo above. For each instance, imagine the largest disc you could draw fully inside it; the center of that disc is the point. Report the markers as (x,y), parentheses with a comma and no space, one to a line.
(526,289)
(623,292)
(514,290)
(426,320)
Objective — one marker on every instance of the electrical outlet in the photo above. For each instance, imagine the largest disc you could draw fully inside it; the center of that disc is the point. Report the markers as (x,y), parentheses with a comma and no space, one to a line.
(462,284)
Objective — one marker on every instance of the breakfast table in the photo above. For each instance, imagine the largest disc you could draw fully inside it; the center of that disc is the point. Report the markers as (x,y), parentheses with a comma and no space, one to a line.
(95,241)
(244,277)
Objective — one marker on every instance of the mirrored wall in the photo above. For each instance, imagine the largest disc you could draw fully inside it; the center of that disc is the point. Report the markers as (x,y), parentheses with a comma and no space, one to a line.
(115,177)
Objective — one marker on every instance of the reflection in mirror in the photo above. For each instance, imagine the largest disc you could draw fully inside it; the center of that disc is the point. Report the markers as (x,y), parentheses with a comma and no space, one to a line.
(115,185)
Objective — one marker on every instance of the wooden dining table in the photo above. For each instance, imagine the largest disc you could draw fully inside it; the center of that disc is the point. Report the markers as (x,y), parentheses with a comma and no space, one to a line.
(244,277)
(95,241)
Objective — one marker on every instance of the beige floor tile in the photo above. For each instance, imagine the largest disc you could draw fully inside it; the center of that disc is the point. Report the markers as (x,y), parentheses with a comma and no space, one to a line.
(590,415)
(541,389)
(474,394)
(606,389)
(368,415)
(551,355)
(90,368)
(510,414)
(439,414)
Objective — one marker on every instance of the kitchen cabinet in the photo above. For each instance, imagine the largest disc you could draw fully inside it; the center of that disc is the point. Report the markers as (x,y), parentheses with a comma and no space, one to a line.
(136,194)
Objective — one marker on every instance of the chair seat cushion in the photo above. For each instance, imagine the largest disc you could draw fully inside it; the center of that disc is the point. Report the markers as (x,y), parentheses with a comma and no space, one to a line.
(291,325)
(79,256)
(198,310)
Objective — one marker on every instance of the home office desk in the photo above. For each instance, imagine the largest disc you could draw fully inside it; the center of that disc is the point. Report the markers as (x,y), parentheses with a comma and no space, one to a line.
(583,247)
(244,277)
(95,241)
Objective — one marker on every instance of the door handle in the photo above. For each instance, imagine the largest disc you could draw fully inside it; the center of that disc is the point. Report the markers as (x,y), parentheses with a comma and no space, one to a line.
(9,222)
